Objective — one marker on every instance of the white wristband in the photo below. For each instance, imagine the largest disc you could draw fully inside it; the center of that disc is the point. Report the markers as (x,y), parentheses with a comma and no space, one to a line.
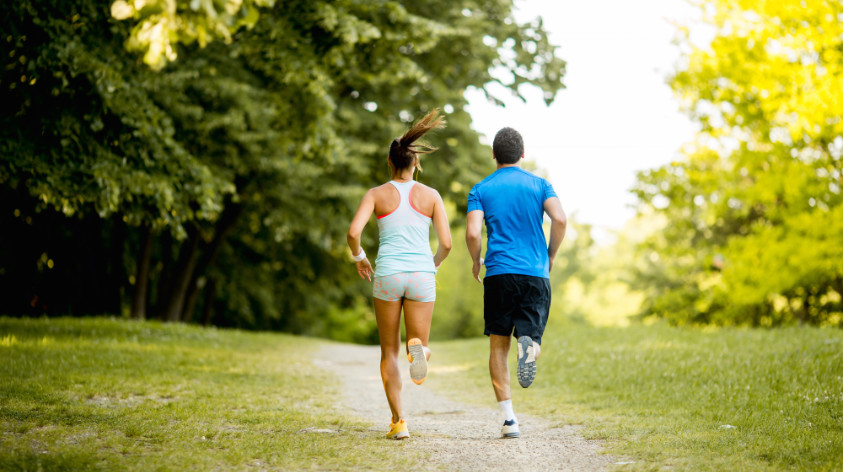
(360,256)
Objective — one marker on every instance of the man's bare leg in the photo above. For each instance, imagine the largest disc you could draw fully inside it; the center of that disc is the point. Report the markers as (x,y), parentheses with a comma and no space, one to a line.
(499,371)
(498,366)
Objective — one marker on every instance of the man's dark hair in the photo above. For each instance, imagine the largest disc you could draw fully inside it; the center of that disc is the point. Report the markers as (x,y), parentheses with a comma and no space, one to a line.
(508,146)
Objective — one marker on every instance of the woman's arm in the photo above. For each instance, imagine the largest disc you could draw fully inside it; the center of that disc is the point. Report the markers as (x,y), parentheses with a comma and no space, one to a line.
(355,231)
(443,230)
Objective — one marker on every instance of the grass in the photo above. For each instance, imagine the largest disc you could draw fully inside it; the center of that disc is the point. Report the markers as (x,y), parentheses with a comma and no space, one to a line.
(683,399)
(99,394)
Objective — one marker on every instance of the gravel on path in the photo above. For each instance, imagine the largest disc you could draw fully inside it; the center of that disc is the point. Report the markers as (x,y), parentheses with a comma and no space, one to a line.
(453,435)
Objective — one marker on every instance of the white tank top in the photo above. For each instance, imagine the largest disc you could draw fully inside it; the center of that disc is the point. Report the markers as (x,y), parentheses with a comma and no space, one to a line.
(404,237)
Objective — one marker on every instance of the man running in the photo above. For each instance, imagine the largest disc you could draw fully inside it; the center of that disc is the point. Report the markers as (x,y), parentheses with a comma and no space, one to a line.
(516,289)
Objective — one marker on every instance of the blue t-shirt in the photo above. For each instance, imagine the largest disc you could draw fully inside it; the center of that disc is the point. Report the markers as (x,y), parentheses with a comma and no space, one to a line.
(512,202)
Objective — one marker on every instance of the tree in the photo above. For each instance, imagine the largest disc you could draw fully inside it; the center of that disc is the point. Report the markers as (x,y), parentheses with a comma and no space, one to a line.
(163,24)
(85,139)
(231,167)
(753,233)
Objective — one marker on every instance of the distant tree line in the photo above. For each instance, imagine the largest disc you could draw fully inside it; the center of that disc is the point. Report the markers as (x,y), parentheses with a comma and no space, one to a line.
(201,164)
(751,219)
(198,161)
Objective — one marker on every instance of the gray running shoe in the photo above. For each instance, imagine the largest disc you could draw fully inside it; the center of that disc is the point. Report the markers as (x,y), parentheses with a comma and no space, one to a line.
(510,429)
(526,361)
(418,361)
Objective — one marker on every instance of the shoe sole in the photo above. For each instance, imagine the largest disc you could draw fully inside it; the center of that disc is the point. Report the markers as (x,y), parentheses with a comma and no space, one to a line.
(418,362)
(511,435)
(401,435)
(526,361)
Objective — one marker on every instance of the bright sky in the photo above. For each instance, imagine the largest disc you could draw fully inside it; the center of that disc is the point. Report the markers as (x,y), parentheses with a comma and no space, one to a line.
(616,116)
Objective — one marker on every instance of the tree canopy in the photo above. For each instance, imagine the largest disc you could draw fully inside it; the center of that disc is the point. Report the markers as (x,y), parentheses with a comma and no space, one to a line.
(753,221)
(219,182)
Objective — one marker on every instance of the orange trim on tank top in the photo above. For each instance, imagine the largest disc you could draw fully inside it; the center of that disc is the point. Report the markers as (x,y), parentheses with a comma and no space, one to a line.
(410,194)
(397,207)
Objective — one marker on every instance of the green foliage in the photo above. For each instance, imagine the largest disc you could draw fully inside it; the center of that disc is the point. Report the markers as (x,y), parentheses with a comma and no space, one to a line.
(752,233)
(83,134)
(100,394)
(162,24)
(458,312)
(680,398)
(230,174)
(591,282)
(578,286)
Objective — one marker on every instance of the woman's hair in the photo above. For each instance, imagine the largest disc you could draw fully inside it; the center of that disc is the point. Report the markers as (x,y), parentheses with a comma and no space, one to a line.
(404,149)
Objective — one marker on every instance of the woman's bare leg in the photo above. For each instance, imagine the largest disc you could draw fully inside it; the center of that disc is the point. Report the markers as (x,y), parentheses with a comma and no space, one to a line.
(417,319)
(388,315)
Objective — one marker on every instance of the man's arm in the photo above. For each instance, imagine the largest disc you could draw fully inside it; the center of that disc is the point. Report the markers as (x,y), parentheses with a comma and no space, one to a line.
(473,239)
(558,225)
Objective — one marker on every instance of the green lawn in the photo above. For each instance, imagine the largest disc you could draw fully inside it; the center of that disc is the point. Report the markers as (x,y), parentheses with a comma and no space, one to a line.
(688,399)
(99,394)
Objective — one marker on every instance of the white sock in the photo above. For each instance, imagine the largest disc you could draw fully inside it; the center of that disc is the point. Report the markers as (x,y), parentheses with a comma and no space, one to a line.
(506,409)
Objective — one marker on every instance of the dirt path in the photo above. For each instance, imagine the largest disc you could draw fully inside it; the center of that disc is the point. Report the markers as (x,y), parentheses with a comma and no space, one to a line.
(457,436)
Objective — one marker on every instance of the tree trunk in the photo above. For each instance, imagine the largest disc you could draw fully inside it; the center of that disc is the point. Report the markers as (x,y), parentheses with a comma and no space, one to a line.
(208,303)
(116,271)
(192,296)
(183,273)
(94,260)
(142,274)
(209,255)
(162,291)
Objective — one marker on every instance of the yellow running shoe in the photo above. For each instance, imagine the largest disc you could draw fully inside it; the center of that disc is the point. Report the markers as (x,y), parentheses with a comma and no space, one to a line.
(398,430)
(418,361)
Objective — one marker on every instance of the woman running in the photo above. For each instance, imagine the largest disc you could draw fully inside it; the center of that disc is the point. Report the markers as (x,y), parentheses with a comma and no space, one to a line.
(405,268)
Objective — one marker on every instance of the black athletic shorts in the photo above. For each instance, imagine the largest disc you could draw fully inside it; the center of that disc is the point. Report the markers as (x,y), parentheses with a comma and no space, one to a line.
(515,301)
